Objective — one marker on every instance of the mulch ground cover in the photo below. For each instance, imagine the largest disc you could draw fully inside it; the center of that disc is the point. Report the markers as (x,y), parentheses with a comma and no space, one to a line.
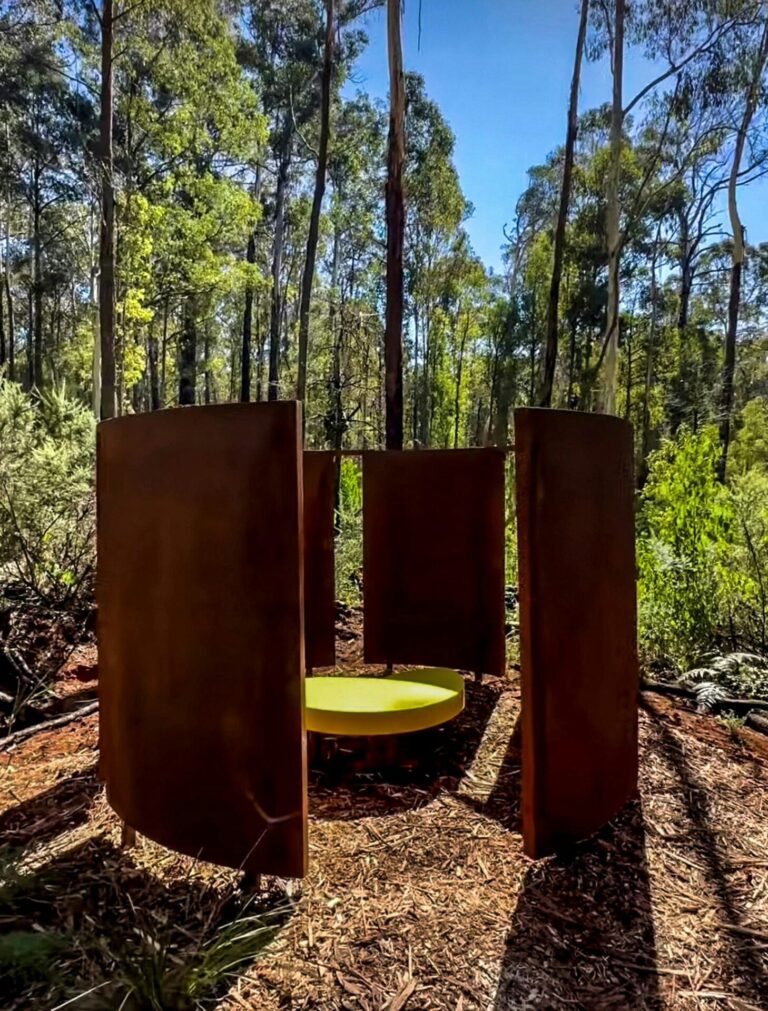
(418,895)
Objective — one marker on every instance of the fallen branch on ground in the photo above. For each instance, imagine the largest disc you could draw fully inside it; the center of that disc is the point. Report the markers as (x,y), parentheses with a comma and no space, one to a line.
(60,721)
(675,688)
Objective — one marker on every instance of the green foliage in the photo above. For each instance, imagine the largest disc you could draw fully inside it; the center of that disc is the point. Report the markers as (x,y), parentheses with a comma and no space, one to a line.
(157,970)
(349,542)
(733,724)
(684,521)
(703,562)
(13,879)
(750,447)
(46,493)
(748,558)
(28,955)
(742,675)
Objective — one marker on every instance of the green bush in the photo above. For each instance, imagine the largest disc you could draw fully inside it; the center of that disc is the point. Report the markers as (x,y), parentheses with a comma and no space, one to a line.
(349,540)
(702,556)
(748,568)
(47,515)
(684,525)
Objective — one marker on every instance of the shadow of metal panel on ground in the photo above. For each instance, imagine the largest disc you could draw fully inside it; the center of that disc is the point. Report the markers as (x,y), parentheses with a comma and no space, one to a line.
(575,489)
(433,558)
(200,631)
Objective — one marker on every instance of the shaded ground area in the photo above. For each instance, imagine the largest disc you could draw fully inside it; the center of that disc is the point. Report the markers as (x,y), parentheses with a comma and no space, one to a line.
(419,896)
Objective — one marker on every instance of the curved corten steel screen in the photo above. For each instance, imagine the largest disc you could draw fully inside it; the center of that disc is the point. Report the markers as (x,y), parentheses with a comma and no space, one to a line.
(319,587)
(433,562)
(575,491)
(200,631)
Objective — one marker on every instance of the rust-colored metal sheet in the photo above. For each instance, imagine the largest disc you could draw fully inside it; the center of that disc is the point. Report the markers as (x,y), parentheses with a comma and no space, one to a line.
(433,558)
(319,572)
(575,532)
(201,665)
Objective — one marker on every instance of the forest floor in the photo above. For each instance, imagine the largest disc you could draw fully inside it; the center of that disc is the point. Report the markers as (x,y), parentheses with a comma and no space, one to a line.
(418,895)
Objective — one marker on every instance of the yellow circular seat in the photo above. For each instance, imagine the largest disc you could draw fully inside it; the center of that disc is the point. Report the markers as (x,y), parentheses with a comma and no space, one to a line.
(397,704)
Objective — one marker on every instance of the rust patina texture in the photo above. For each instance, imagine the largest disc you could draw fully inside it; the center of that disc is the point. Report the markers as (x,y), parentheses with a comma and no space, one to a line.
(319,585)
(433,565)
(201,631)
(575,488)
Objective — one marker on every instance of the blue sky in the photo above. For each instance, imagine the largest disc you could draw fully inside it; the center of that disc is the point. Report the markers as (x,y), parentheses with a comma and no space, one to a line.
(500,71)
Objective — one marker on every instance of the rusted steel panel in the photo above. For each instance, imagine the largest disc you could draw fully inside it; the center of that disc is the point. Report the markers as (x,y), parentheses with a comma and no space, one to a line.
(433,564)
(575,531)
(201,659)
(319,583)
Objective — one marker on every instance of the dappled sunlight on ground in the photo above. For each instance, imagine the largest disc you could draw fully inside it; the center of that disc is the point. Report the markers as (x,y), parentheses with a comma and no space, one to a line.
(419,895)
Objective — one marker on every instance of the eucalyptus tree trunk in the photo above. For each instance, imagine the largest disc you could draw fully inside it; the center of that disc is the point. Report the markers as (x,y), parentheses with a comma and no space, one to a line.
(188,353)
(276,309)
(334,425)
(738,255)
(36,374)
(612,219)
(107,231)
(3,344)
(164,353)
(209,396)
(550,352)
(317,203)
(395,214)
(686,276)
(650,352)
(154,376)
(245,358)
(7,274)
(93,305)
(459,372)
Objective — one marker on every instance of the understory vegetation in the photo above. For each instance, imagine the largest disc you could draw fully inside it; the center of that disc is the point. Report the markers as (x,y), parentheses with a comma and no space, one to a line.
(103,943)
(702,546)
(703,560)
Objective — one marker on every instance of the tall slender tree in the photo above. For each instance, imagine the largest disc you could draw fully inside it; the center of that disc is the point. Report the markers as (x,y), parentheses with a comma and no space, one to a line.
(317,201)
(395,214)
(550,351)
(612,214)
(738,254)
(107,231)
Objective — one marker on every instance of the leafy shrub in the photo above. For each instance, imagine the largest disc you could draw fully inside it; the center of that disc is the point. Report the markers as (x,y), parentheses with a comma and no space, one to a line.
(685,522)
(47,514)
(703,566)
(748,568)
(750,447)
(349,542)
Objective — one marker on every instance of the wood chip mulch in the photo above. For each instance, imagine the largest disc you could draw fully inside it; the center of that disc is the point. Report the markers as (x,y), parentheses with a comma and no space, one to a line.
(419,897)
